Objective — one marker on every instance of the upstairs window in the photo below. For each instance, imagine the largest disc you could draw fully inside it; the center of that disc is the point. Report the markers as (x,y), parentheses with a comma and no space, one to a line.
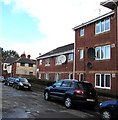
(40,62)
(81,54)
(47,62)
(22,64)
(70,57)
(30,65)
(102,26)
(81,32)
(102,52)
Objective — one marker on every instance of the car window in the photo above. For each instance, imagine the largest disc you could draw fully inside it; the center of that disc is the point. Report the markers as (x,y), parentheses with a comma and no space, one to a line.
(23,80)
(57,84)
(66,84)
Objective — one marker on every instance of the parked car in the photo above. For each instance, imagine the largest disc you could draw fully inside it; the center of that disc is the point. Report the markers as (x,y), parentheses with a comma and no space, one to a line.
(9,81)
(21,83)
(2,79)
(109,109)
(72,92)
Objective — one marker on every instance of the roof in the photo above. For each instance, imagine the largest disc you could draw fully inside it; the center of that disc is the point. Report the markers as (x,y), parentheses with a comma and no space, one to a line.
(10,60)
(94,20)
(58,51)
(25,60)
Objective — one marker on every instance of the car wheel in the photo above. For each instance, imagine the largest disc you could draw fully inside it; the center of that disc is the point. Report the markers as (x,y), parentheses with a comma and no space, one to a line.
(46,96)
(68,102)
(106,114)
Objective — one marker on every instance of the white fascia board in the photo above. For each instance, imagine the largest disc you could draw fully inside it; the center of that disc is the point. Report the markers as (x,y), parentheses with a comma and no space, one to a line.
(57,54)
(94,20)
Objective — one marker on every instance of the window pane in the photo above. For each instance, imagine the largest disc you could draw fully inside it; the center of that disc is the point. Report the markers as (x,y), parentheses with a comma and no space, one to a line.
(98,27)
(97,80)
(81,54)
(102,26)
(103,52)
(107,24)
(107,52)
(82,32)
(107,81)
(70,57)
(102,80)
(97,52)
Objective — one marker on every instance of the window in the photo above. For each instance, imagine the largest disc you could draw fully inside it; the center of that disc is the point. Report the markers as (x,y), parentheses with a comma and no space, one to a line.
(82,32)
(57,76)
(70,57)
(81,77)
(47,62)
(102,52)
(66,84)
(30,65)
(70,76)
(81,54)
(58,61)
(103,81)
(40,62)
(22,64)
(47,76)
(102,26)
(30,73)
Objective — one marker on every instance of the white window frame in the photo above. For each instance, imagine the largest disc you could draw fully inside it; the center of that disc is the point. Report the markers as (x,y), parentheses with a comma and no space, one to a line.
(70,57)
(57,76)
(70,75)
(80,76)
(102,24)
(47,62)
(47,76)
(81,32)
(81,53)
(104,81)
(104,50)
(40,62)
(57,61)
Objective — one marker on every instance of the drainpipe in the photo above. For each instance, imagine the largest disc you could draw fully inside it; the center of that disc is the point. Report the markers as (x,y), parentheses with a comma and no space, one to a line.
(74,62)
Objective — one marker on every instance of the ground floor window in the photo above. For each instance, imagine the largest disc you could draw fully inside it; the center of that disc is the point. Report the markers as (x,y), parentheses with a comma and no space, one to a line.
(103,81)
(47,76)
(57,76)
(81,77)
(70,76)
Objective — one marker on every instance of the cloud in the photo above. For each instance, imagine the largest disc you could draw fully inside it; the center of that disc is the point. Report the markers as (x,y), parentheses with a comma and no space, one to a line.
(56,18)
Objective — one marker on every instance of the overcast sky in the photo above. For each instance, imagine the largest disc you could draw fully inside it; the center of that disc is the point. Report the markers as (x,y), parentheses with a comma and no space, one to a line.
(38,26)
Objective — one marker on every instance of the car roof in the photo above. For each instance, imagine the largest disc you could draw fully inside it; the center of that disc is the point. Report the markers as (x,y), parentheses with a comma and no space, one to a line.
(74,80)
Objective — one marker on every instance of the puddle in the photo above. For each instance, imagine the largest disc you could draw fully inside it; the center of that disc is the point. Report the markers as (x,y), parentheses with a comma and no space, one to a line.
(16,113)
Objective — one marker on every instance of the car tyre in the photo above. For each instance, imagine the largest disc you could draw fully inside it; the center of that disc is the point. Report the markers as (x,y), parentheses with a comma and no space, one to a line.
(68,102)
(106,114)
(46,96)
(17,87)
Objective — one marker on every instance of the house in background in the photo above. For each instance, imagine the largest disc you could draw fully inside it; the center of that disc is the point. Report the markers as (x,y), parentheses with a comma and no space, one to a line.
(96,50)
(19,66)
(56,64)
(7,66)
(24,67)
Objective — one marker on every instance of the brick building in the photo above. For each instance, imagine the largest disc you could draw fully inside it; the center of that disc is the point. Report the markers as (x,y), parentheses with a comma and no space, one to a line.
(96,50)
(56,64)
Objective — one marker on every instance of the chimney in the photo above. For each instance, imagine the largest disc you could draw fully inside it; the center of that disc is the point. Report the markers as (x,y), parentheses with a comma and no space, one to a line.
(28,56)
(23,55)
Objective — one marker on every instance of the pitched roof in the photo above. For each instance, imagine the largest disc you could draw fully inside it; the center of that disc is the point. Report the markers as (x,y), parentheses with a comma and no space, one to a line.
(10,60)
(25,60)
(62,49)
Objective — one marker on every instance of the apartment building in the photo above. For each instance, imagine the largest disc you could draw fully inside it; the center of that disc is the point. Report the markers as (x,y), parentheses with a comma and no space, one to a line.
(96,50)
(56,64)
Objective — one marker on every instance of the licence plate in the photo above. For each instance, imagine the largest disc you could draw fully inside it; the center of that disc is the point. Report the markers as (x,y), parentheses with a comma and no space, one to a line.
(91,100)
(25,86)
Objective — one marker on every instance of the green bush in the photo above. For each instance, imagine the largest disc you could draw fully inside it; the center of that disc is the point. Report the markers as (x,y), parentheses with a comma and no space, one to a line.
(41,82)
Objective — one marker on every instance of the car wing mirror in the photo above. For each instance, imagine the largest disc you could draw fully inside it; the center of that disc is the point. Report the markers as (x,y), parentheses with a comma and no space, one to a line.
(53,86)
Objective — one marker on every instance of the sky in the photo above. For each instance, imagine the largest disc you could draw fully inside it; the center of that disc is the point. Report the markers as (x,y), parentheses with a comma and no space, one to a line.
(38,26)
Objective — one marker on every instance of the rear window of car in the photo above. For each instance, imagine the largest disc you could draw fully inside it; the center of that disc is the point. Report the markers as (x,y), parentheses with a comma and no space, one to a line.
(86,86)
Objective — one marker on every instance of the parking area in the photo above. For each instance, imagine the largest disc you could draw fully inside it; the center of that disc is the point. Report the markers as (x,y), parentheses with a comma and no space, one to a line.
(31,104)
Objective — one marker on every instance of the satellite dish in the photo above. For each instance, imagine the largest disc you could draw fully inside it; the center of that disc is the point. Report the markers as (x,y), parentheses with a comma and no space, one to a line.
(91,53)
(89,65)
(62,58)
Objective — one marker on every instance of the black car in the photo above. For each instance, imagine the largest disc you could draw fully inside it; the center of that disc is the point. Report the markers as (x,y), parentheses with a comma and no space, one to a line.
(109,109)
(9,81)
(21,83)
(72,92)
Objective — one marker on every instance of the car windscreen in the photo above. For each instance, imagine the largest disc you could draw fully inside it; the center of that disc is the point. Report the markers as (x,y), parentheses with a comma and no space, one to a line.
(23,80)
